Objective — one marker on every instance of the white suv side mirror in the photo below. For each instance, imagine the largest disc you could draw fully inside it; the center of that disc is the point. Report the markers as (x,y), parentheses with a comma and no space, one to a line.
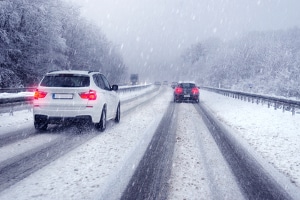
(115,87)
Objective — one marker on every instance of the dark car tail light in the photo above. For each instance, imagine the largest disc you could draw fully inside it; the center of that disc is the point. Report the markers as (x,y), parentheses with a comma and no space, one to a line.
(195,90)
(178,90)
(39,94)
(90,95)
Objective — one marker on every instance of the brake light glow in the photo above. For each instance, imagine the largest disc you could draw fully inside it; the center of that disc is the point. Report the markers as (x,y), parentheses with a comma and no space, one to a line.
(195,90)
(39,94)
(178,90)
(90,95)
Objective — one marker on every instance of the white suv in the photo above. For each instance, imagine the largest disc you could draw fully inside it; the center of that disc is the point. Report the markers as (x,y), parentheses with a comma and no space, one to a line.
(77,96)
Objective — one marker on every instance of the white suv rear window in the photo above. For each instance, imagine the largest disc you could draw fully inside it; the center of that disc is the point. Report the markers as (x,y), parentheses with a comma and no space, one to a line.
(65,80)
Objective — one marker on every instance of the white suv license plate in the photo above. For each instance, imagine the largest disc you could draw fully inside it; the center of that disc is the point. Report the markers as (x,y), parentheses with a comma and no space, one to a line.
(62,96)
(186,95)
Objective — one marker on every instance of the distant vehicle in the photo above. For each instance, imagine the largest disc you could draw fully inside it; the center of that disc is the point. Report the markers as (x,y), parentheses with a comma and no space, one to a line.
(165,83)
(157,83)
(186,91)
(134,79)
(174,84)
(75,96)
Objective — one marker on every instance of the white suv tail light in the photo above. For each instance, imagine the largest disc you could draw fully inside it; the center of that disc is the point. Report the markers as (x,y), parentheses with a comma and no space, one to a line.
(90,95)
(39,94)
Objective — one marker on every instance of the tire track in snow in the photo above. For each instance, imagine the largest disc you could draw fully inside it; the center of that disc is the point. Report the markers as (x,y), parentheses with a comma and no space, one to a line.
(199,169)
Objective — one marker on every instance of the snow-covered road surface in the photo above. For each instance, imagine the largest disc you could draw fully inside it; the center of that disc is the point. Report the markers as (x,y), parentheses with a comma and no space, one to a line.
(100,168)
(199,169)
(82,173)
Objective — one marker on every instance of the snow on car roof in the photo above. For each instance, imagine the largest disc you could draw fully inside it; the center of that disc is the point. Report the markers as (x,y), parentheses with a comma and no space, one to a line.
(71,72)
(187,82)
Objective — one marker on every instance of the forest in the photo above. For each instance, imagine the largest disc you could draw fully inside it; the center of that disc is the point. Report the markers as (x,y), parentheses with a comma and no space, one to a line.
(40,36)
(266,62)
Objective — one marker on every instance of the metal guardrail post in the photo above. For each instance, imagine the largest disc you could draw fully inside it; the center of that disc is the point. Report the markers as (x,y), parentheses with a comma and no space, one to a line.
(11,111)
(293,110)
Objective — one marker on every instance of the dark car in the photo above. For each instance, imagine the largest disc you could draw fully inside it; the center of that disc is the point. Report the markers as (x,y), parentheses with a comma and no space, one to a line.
(186,91)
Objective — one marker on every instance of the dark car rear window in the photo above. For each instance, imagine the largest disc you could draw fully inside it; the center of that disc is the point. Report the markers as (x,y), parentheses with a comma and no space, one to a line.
(65,80)
(187,85)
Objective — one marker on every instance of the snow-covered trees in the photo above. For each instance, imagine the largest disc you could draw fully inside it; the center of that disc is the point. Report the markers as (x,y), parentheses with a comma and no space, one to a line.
(194,53)
(37,36)
(265,62)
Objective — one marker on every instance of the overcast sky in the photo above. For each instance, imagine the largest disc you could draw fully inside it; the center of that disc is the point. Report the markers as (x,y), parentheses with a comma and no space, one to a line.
(153,32)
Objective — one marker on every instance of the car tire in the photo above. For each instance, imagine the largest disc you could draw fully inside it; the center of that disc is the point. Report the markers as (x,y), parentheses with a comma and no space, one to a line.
(40,126)
(118,114)
(101,126)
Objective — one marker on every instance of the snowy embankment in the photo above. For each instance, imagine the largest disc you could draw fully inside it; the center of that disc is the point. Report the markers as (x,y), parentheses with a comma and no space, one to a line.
(273,134)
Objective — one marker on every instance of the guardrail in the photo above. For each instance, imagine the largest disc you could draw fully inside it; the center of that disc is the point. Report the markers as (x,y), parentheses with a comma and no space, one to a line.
(19,99)
(277,103)
(11,102)
(16,90)
(131,88)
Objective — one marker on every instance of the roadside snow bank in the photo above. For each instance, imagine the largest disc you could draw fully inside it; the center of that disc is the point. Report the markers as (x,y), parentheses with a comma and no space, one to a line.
(274,134)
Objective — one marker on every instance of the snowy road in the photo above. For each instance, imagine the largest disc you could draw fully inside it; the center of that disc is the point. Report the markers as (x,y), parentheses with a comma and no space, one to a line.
(199,169)
(179,158)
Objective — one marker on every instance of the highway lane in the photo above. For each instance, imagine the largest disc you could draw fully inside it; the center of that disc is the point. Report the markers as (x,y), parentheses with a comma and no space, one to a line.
(205,163)
(47,146)
(182,162)
(150,178)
